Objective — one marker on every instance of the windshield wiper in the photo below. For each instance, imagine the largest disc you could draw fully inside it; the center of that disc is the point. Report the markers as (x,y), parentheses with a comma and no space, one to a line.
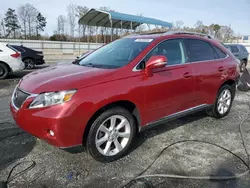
(92,65)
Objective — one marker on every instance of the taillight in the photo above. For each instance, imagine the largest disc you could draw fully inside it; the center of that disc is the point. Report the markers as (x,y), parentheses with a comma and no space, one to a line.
(16,55)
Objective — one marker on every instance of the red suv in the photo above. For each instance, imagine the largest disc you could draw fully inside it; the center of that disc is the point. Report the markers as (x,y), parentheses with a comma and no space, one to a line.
(123,87)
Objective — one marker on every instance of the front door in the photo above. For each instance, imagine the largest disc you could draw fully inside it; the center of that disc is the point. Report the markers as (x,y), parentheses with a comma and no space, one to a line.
(170,89)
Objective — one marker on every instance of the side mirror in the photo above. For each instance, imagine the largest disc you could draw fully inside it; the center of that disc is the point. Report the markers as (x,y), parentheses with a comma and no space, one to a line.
(157,61)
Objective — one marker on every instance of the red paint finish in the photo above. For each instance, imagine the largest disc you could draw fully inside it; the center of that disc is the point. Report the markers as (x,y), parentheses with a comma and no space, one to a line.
(169,90)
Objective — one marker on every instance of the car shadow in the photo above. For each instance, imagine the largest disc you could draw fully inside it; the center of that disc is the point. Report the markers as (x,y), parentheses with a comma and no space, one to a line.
(14,145)
(160,129)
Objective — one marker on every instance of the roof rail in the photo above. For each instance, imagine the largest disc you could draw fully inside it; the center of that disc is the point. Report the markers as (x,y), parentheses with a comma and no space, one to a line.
(151,33)
(188,33)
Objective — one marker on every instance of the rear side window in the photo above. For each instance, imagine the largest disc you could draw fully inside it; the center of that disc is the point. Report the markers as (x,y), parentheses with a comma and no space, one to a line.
(243,49)
(234,49)
(220,54)
(199,50)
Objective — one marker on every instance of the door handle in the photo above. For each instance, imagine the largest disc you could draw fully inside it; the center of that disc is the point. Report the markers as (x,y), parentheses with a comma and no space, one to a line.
(220,69)
(187,75)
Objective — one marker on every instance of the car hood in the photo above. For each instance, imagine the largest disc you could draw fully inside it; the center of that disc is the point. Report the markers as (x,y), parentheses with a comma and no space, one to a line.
(63,77)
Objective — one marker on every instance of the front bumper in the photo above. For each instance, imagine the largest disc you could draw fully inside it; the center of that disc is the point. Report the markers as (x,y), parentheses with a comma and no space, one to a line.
(61,119)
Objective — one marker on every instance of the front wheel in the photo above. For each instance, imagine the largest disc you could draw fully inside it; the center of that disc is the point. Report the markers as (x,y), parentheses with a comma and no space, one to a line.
(223,102)
(111,135)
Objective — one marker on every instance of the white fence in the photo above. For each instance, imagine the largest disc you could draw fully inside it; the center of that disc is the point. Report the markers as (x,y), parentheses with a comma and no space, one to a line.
(65,47)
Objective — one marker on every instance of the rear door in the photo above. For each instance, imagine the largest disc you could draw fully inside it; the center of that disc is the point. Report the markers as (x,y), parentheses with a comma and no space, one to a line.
(170,89)
(208,68)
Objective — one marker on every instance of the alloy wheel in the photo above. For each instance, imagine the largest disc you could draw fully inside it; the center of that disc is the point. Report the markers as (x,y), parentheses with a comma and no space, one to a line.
(29,64)
(224,101)
(113,135)
(243,67)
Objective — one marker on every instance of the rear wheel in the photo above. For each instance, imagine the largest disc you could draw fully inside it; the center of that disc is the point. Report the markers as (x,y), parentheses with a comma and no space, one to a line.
(111,135)
(4,71)
(223,102)
(29,63)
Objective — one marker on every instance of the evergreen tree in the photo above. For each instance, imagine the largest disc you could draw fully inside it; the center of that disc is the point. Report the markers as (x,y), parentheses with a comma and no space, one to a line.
(11,22)
(41,23)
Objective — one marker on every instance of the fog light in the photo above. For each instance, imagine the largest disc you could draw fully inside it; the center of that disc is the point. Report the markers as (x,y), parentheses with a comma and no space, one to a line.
(51,133)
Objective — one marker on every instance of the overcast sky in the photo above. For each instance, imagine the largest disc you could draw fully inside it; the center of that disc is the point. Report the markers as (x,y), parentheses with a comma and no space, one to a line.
(224,12)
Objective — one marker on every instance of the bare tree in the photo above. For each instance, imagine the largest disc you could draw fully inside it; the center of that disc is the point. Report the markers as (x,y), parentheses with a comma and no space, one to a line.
(61,20)
(140,28)
(27,14)
(178,24)
(80,11)
(72,18)
(225,33)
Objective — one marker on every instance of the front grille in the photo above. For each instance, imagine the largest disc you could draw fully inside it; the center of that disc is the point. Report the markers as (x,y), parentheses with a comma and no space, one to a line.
(19,97)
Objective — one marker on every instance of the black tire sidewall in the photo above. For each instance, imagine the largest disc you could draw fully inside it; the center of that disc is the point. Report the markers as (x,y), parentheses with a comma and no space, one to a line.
(91,146)
(6,73)
(215,109)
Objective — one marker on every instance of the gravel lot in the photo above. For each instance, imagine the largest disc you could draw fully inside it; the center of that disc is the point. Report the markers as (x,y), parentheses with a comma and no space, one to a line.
(57,168)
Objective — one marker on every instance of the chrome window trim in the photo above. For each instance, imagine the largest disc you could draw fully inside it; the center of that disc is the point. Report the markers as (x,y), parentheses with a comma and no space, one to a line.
(137,70)
(13,94)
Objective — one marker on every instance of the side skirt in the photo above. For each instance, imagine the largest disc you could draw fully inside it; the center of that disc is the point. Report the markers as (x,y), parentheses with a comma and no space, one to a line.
(176,116)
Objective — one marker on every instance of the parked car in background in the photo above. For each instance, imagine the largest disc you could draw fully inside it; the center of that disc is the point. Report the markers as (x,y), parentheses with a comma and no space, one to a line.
(10,60)
(30,57)
(120,89)
(240,52)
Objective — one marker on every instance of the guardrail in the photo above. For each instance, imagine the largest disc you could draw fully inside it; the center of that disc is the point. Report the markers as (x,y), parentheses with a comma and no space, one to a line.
(64,47)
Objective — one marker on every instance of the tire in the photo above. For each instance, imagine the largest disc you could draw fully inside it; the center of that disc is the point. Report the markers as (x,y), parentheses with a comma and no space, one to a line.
(4,71)
(29,63)
(223,106)
(243,66)
(100,131)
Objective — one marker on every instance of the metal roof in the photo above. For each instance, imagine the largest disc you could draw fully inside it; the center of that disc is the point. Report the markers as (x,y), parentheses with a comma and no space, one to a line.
(113,19)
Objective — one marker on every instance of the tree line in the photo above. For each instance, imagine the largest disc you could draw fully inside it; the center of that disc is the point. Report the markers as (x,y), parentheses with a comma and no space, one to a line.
(29,23)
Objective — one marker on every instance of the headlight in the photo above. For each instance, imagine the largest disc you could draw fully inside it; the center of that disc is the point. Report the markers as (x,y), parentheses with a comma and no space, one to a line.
(52,98)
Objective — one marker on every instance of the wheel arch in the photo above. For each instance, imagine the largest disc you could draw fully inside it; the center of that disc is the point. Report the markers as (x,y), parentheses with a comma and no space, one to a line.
(130,106)
(2,62)
(231,83)
(245,60)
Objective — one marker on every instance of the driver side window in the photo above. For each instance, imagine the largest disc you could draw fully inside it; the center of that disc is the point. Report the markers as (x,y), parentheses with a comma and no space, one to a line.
(172,49)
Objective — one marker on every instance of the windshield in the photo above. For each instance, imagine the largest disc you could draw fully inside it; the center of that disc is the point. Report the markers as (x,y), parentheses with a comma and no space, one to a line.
(116,54)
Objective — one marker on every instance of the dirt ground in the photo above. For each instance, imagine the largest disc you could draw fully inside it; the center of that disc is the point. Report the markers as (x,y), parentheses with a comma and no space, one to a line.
(57,168)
